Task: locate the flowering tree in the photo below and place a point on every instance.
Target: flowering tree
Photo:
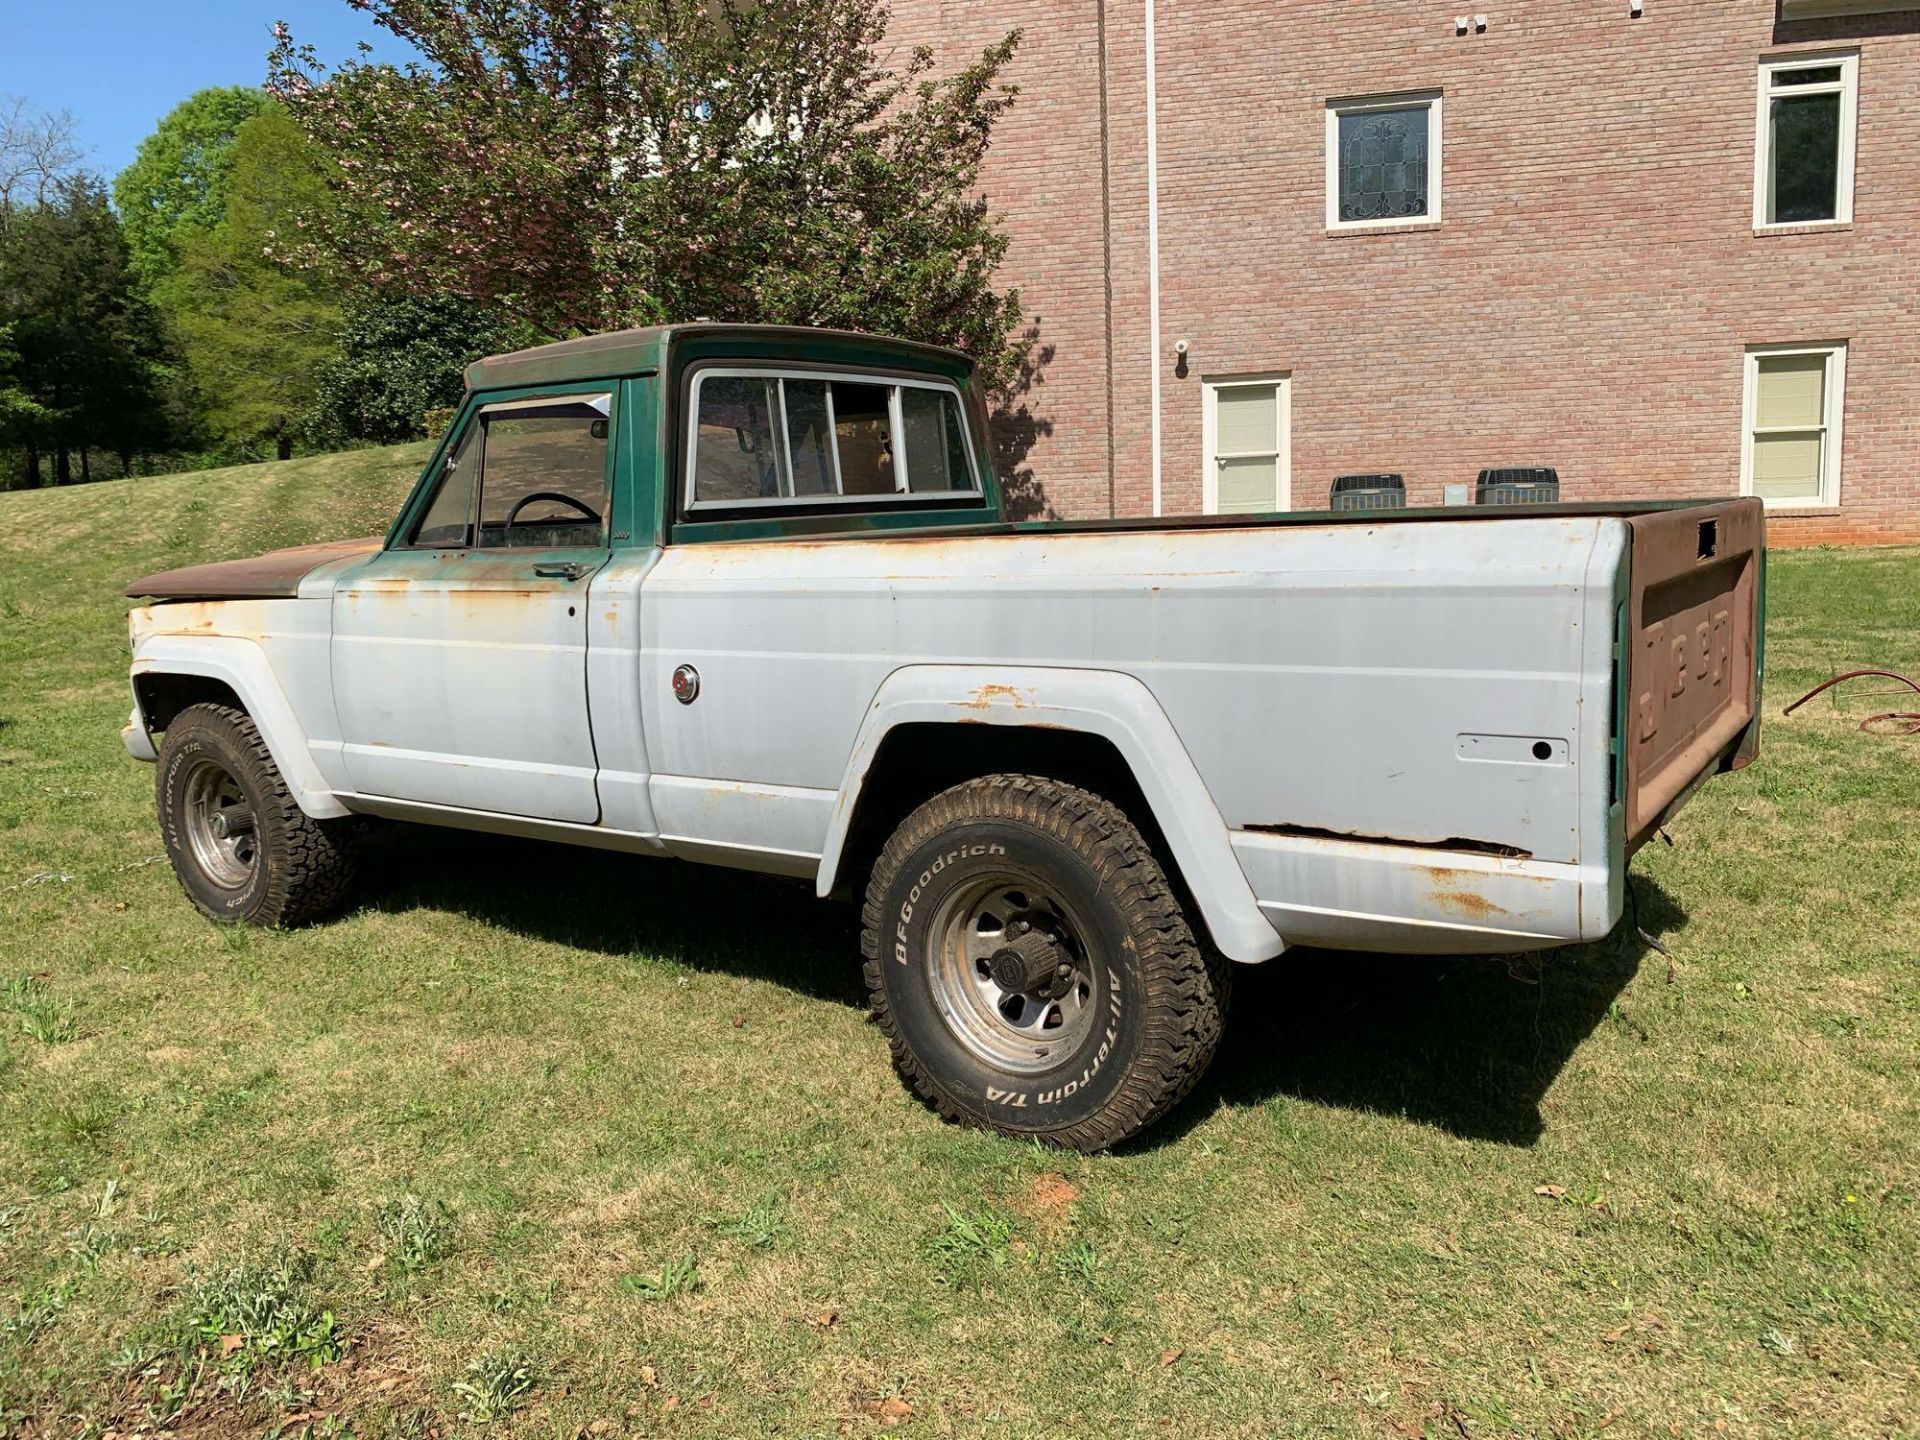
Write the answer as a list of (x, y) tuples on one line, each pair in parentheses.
[(582, 166)]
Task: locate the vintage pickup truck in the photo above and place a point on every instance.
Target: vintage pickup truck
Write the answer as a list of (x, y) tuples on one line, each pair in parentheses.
[(747, 595)]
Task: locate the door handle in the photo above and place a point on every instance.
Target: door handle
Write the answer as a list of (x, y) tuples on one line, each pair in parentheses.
[(563, 570)]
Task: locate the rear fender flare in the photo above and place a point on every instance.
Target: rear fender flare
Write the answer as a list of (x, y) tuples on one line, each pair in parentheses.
[(243, 667), (1116, 707)]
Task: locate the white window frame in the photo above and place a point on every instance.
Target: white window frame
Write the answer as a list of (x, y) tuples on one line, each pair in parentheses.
[(892, 383), (1360, 105), (1832, 440), (1211, 386), (1847, 87)]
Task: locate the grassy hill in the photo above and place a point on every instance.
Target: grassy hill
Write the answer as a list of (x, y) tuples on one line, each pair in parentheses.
[(605, 1146)]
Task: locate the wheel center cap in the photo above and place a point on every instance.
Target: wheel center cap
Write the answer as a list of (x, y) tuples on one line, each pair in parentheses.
[(1026, 962)]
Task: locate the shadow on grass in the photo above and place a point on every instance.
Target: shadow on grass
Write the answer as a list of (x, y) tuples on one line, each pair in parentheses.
[(1468, 1044), (728, 921)]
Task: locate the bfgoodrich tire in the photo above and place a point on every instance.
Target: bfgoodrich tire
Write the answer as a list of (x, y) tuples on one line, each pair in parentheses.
[(1032, 968), (243, 849)]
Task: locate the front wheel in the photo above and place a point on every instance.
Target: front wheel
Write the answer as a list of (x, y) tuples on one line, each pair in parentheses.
[(1032, 968), (240, 844)]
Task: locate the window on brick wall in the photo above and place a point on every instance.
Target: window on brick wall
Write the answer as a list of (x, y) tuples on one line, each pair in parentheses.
[(1803, 162), (1383, 161), (1795, 395)]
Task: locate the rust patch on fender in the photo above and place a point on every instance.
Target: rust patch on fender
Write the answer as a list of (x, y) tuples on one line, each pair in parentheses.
[(1468, 903), (986, 695)]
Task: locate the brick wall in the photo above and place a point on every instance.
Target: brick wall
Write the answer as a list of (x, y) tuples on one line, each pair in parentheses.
[(1587, 301)]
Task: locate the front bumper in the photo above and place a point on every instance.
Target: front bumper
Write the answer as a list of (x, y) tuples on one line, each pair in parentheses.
[(135, 737)]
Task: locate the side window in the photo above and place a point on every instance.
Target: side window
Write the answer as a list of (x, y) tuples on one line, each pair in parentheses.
[(863, 430), (934, 439), (765, 439), (448, 523), (736, 455), (809, 437), (543, 479)]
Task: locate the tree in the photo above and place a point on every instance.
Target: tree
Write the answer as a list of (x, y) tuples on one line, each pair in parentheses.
[(37, 152), (582, 167), (398, 358), (20, 413), (254, 332), (177, 185), (87, 343)]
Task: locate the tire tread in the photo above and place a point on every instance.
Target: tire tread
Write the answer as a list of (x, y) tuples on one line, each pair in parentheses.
[(1187, 982), (312, 874)]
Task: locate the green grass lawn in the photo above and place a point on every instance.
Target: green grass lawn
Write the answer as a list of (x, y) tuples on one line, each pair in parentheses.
[(553, 1141)]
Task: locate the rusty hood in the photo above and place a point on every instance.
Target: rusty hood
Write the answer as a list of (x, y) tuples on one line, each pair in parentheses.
[(275, 575)]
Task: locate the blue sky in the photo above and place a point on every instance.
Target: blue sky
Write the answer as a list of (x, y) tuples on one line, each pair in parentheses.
[(117, 66)]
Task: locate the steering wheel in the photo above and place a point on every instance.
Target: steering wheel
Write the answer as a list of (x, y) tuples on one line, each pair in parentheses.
[(590, 515)]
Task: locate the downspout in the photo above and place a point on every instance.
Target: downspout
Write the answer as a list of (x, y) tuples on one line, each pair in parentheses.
[(1106, 258), (1153, 244)]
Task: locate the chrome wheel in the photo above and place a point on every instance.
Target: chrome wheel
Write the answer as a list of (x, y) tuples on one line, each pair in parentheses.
[(1010, 974), (219, 826)]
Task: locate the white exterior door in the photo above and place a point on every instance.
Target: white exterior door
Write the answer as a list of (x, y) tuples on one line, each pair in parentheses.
[(1248, 423)]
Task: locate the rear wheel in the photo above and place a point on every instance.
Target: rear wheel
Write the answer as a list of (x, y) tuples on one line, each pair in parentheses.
[(1031, 967), (240, 844)]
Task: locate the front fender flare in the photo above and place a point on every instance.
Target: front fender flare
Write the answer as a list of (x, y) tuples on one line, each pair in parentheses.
[(1118, 708), (243, 667)]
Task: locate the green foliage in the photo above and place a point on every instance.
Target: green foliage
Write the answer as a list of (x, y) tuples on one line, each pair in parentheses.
[(19, 411), (971, 1242), (35, 1312), (415, 1233), (262, 1314), (40, 1015), (176, 188), (495, 1384), (82, 362), (676, 1277), (397, 359), (255, 333), (587, 167), (759, 1226)]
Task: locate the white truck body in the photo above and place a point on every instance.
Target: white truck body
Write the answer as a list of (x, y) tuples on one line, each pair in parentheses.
[(1399, 735)]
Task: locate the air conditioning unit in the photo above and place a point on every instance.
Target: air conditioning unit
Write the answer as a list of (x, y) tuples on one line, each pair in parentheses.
[(1369, 492), (1518, 485)]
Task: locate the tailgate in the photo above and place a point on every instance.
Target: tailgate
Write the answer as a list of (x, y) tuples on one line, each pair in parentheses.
[(1693, 608)]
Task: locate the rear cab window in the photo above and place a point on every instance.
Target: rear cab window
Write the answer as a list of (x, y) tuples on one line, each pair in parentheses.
[(766, 437)]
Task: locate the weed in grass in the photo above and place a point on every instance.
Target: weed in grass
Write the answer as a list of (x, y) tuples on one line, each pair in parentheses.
[(170, 1396), (36, 1312), (518, 1297), (971, 1242), (759, 1226), (40, 1015), (103, 1208), (495, 1384), (87, 1244), (415, 1233), (676, 1277), (87, 1120), (263, 1314), (1080, 1262)]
